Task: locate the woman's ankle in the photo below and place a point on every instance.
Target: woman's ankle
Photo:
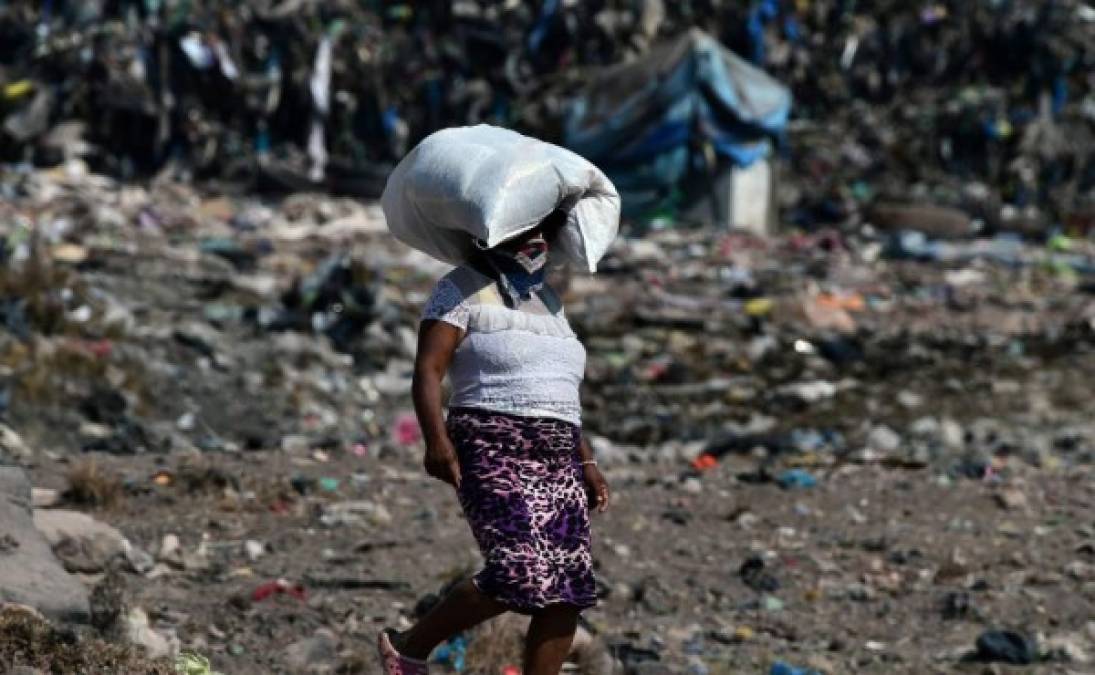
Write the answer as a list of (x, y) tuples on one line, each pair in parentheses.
[(405, 644)]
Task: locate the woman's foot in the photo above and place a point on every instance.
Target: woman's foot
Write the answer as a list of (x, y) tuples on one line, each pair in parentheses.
[(395, 663)]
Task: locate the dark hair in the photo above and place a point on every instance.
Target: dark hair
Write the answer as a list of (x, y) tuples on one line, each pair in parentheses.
[(553, 224)]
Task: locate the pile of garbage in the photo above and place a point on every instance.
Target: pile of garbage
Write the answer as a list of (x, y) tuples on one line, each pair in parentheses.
[(233, 285), (984, 106)]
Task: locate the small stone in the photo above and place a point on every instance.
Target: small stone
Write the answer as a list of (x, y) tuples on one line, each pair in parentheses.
[(254, 549), (956, 605), (1011, 499), (655, 597), (918, 456), (925, 427), (623, 591), (883, 439), (860, 592), (45, 497), (952, 434), (96, 432), (1038, 578), (316, 654), (198, 561), (171, 551), (692, 486), (909, 399), (996, 646), (354, 513), (772, 604), (139, 560), (1080, 570), (139, 632), (747, 520), (12, 445), (810, 392), (821, 664), (1067, 648), (295, 444), (754, 575)]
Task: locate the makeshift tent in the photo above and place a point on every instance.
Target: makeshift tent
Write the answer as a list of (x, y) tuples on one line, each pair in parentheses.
[(652, 123)]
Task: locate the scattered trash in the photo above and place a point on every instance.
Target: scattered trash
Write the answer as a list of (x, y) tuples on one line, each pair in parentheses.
[(186, 301), (188, 663), (139, 632), (406, 431), (753, 573), (796, 478), (771, 603), (452, 653), (997, 646), (781, 668), (254, 549), (278, 587)]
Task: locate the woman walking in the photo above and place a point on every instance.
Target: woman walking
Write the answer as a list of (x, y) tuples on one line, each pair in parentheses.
[(511, 447)]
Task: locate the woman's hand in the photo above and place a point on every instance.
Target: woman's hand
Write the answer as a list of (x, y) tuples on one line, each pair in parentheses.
[(441, 462), (596, 487)]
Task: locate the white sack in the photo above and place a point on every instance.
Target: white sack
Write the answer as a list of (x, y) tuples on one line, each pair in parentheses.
[(493, 184)]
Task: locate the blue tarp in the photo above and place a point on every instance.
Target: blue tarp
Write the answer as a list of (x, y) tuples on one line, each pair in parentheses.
[(648, 123)]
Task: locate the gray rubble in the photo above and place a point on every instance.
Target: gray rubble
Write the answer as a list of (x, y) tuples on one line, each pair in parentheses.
[(29, 572)]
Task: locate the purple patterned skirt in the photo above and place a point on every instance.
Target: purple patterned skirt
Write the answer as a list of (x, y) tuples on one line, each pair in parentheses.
[(523, 495)]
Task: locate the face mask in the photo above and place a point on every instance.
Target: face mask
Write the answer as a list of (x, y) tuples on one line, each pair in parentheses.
[(521, 272), (531, 257)]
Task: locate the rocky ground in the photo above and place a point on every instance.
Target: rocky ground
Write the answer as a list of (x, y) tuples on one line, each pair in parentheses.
[(823, 453)]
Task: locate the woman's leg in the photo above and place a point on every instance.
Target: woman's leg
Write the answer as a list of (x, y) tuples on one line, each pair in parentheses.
[(464, 607), (549, 638)]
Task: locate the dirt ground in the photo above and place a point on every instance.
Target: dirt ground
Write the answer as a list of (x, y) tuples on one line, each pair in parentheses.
[(866, 562)]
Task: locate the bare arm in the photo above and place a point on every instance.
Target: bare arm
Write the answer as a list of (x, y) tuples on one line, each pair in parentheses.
[(585, 452), (595, 483), (437, 341)]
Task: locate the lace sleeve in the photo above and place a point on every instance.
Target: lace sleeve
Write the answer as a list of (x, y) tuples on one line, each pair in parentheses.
[(447, 304)]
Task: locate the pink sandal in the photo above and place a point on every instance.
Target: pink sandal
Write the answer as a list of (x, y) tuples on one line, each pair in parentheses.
[(394, 662)]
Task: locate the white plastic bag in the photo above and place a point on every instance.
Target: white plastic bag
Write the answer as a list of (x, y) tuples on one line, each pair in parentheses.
[(492, 184)]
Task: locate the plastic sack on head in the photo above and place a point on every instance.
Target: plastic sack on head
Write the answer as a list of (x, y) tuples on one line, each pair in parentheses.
[(493, 184)]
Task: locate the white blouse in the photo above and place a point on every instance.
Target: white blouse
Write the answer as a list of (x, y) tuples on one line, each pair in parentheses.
[(525, 361)]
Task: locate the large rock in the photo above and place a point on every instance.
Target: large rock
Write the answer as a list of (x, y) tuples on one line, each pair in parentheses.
[(29, 572), (82, 543)]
